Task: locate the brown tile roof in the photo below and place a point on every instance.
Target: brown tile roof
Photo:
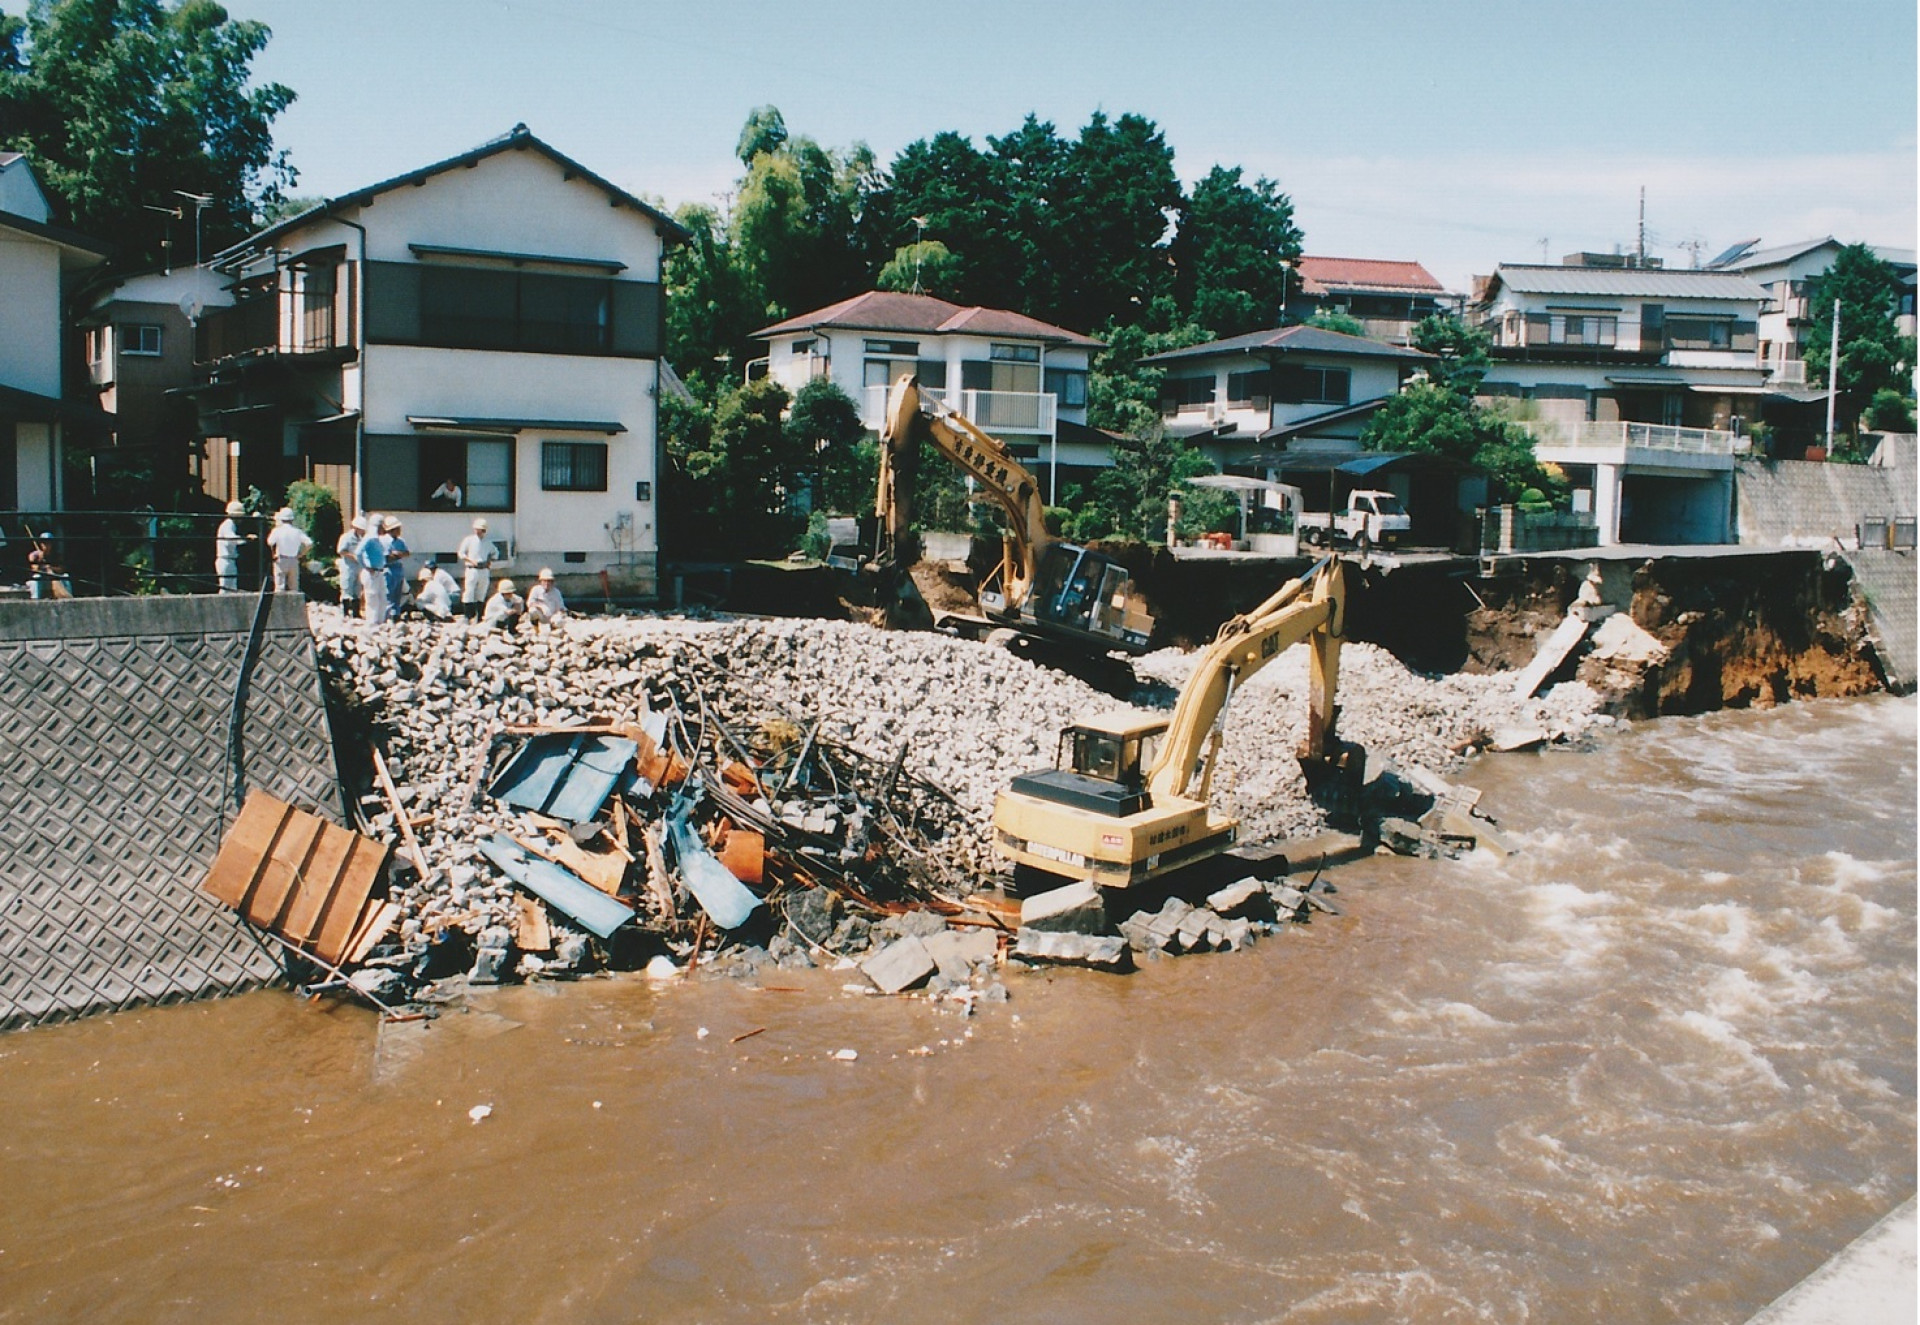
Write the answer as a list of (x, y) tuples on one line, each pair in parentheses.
[(1366, 274), (886, 310)]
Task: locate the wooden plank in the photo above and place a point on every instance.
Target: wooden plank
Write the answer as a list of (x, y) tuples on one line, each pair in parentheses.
[(604, 870), (244, 849), (400, 817), (531, 930), (267, 900), (350, 895), (375, 920), (320, 878)]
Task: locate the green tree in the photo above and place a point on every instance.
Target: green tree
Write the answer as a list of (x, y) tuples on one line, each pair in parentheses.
[(824, 426), (764, 131), (1890, 411), (712, 306), (746, 470), (1231, 252), (1430, 418), (1132, 494), (1123, 395), (1117, 195), (797, 229), (119, 103), (1462, 350), (1873, 354), (1332, 319), (927, 266)]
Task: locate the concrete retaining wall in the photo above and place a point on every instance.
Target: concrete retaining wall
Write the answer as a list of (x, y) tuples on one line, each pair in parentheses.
[(1798, 503), (115, 788)]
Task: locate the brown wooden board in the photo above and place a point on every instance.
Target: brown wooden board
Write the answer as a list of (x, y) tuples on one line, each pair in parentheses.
[(300, 877)]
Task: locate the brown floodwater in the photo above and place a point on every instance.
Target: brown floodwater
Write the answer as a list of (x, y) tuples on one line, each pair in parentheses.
[(1655, 1067)]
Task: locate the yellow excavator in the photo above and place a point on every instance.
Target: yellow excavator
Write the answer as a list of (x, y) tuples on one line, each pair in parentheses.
[(1047, 597), (1128, 800)]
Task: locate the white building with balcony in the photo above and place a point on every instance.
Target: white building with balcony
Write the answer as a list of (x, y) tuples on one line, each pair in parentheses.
[(1646, 482), (40, 264), (490, 324), (1603, 344), (1023, 380), (1788, 273)]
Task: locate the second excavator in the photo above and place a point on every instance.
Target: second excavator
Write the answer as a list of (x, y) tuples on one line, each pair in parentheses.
[(1054, 600)]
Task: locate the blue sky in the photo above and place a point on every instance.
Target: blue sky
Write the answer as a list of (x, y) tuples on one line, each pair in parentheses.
[(1460, 135)]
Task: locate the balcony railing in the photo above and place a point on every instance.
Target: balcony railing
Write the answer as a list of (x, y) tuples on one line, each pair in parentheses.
[(991, 411), (1648, 436), (1787, 372), (253, 326)]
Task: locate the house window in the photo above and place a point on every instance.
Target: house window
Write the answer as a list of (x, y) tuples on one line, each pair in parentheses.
[(573, 466), (1015, 353), (1014, 368), (894, 349), (1068, 386), (1246, 388), (140, 338), (1699, 333), (1184, 393), (1582, 329), (1299, 384), (98, 339), (404, 472), (802, 347)]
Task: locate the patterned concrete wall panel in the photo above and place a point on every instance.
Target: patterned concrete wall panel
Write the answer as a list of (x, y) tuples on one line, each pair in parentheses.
[(1796, 503), (115, 788)]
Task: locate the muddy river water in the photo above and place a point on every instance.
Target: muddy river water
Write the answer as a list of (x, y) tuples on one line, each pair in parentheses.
[(1655, 1067)]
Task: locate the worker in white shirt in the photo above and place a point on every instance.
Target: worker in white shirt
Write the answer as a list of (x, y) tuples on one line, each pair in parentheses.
[(544, 601), (227, 542), (504, 609), (348, 549), (434, 597), (289, 543), (476, 557)]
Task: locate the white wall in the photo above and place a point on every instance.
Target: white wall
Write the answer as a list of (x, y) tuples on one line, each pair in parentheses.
[(408, 380), (30, 315), (38, 466)]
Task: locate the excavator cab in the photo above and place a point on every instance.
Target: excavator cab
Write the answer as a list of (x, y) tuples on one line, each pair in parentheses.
[(1100, 765), (1083, 591)]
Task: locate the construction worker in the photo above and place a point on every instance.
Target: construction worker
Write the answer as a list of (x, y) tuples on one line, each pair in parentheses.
[(504, 609), (373, 572), (434, 597), (227, 542), (544, 601), (348, 549), (476, 558), (289, 543)]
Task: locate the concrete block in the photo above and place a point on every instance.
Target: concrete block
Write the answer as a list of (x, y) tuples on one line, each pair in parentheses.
[(1140, 933), (1287, 901), (1103, 951), (1192, 934), (1074, 909), (957, 951), (1237, 933), (898, 966), (1248, 897)]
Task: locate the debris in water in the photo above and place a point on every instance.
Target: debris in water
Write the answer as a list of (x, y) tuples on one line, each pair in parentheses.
[(479, 1113)]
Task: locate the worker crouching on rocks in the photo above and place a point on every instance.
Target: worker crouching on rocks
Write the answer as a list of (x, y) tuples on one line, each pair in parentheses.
[(544, 601), (504, 610), (434, 598)]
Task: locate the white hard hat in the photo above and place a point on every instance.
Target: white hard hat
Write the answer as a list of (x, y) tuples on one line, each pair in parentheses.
[(546, 573), (426, 572), (391, 522), (480, 525), (235, 508), (360, 522), (506, 586), (373, 522), (284, 515)]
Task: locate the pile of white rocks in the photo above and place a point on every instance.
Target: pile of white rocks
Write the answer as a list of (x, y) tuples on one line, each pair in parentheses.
[(969, 717)]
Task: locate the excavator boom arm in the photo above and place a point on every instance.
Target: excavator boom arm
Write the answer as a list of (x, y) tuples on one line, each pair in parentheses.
[(981, 457), (1242, 647)]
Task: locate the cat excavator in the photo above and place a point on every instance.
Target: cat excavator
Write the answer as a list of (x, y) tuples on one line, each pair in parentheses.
[(1128, 801), (1055, 601)]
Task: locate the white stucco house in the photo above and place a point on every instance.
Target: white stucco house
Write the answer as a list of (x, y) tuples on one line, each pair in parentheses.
[(40, 263), (490, 323), (1021, 379), (1788, 273), (1640, 382)]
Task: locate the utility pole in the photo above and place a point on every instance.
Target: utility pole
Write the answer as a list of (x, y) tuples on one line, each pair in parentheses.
[(200, 201), (1833, 371)]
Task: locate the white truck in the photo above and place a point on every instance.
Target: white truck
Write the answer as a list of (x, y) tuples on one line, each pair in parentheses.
[(1372, 519)]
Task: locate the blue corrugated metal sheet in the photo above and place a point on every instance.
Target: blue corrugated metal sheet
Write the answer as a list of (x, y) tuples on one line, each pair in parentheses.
[(560, 888), (568, 777), (722, 896)]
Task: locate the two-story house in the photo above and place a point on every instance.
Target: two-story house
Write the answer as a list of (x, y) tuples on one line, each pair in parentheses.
[(479, 337), (1388, 297), (1640, 382), (137, 339), (1021, 379), (40, 263), (1788, 273)]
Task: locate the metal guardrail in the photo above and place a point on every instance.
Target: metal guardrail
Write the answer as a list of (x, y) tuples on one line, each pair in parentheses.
[(1648, 436), (106, 554)]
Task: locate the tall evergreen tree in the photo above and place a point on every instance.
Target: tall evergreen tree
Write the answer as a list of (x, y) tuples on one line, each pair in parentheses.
[(1230, 253), (1873, 354), (121, 103)]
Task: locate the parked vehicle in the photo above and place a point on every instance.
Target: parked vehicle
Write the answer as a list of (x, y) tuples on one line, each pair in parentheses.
[(1372, 519)]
